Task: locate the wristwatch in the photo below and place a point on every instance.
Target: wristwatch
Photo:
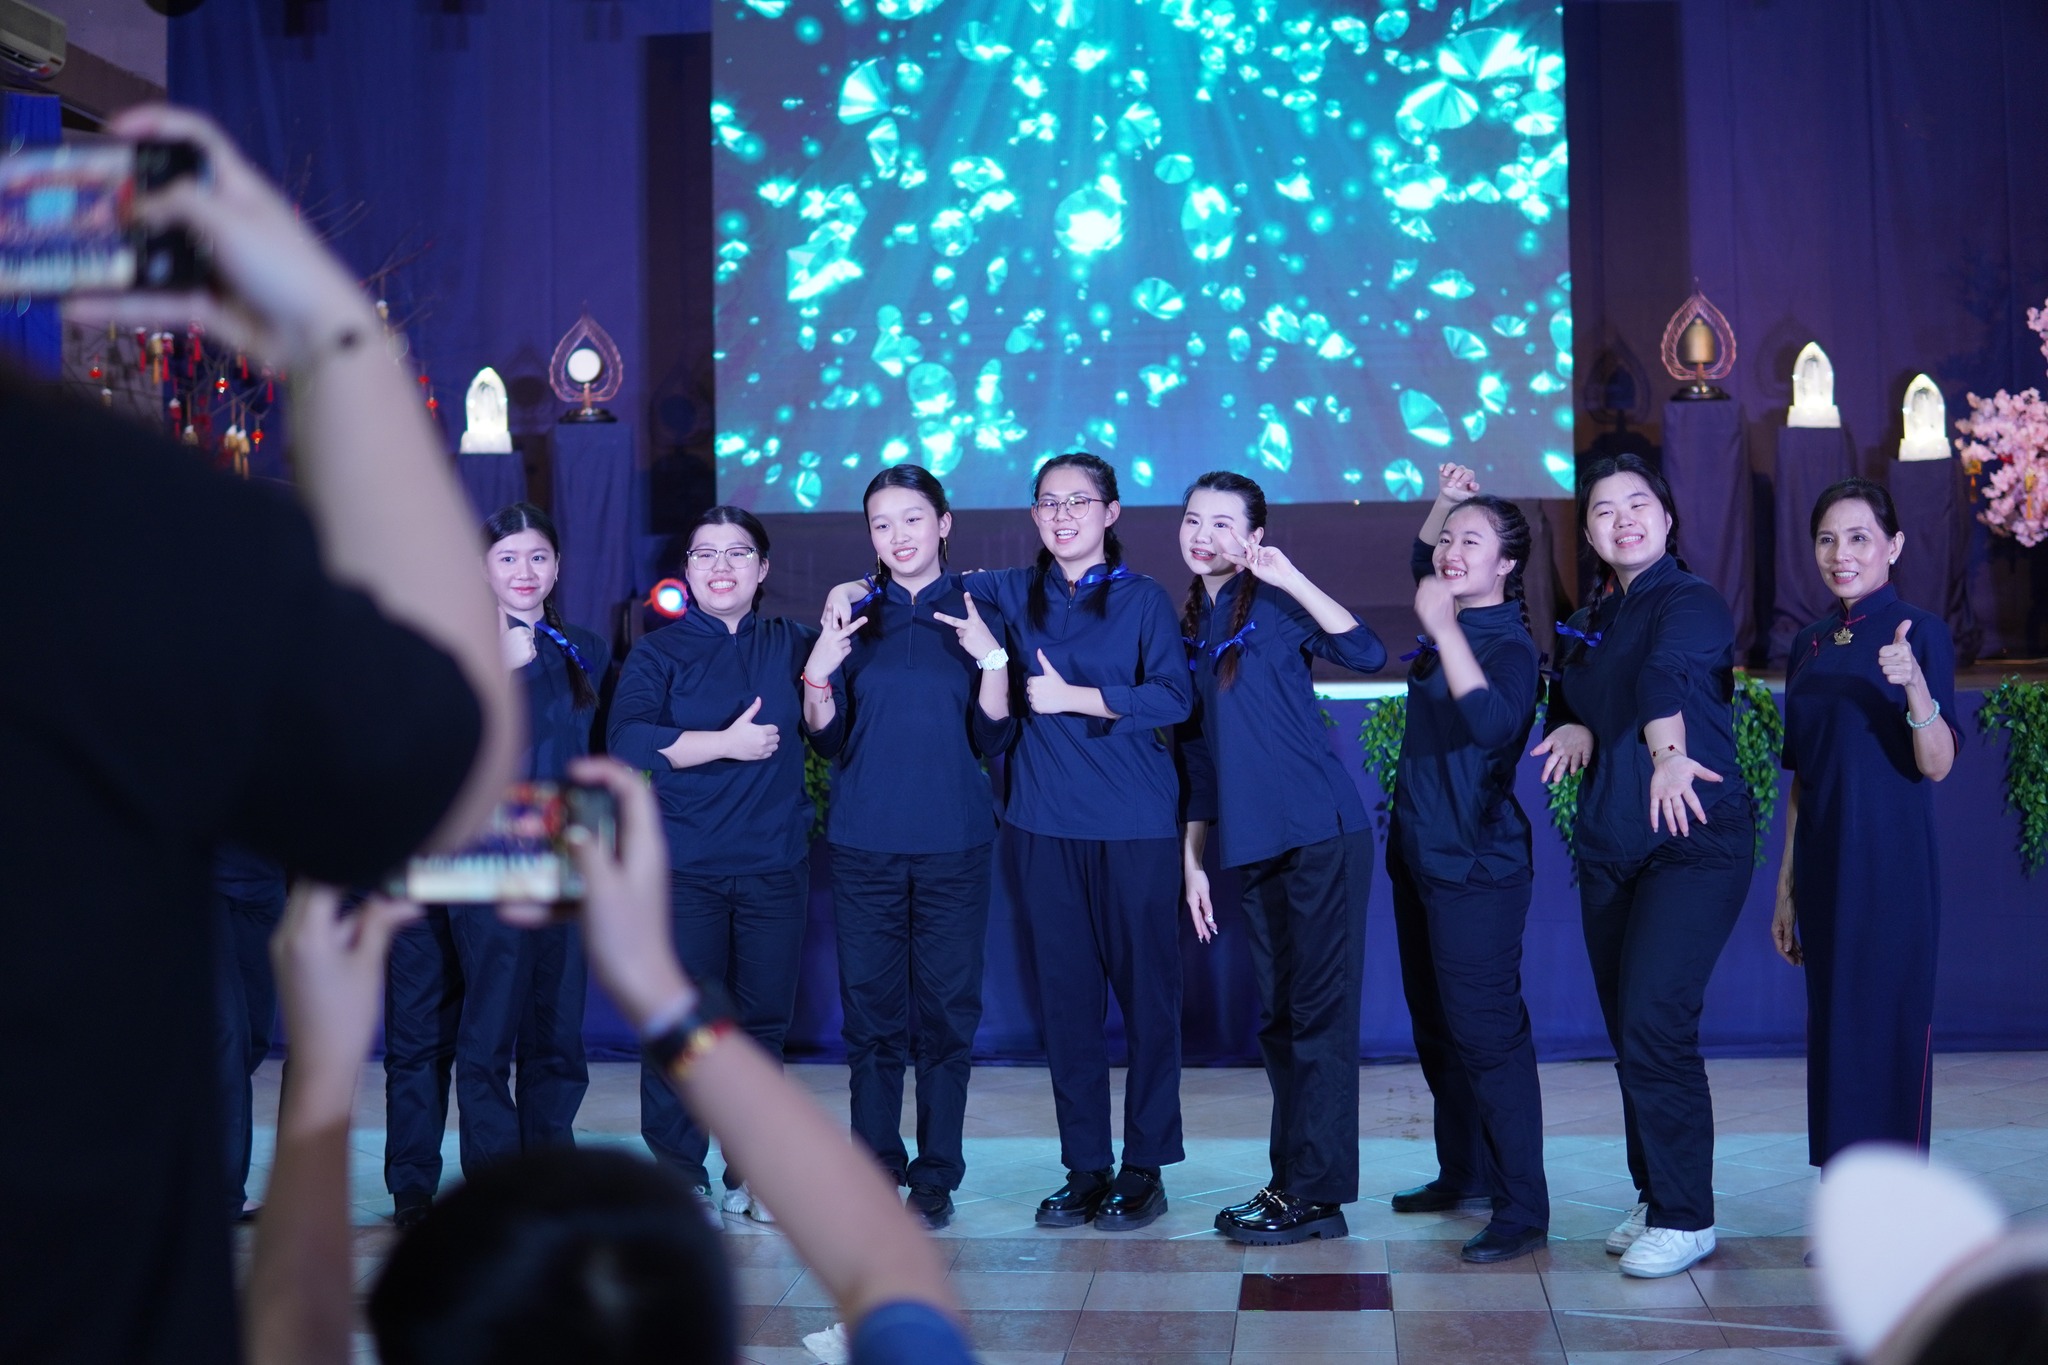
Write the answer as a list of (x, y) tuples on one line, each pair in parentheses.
[(993, 660), (675, 1048)]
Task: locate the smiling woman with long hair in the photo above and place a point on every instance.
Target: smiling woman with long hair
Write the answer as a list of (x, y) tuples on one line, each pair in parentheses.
[(919, 698), (1259, 765)]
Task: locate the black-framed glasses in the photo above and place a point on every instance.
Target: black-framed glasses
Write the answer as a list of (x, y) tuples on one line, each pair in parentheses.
[(1075, 504), (731, 554)]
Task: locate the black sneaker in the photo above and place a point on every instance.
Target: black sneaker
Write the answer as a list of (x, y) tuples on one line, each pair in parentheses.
[(1284, 1220), (931, 1204), (1075, 1202), (1136, 1200)]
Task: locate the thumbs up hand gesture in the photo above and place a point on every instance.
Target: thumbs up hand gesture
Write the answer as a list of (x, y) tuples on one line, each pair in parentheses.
[(1048, 692), (750, 742), (1896, 659)]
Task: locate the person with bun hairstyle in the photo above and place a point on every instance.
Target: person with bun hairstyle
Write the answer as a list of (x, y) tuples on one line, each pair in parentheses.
[(919, 700), (1259, 765), (712, 706), (1091, 848), (464, 989), (1643, 703), (1458, 856), (1859, 889)]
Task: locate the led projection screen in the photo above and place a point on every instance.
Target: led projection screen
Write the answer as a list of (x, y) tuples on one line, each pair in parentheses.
[(1321, 244)]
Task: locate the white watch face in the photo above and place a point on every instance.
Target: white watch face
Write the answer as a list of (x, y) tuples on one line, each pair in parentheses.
[(994, 659)]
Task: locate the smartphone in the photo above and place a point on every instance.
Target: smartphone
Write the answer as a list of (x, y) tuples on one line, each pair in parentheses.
[(67, 226), (521, 856)]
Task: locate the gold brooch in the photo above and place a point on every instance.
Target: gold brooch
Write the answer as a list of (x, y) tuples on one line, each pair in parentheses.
[(1843, 637)]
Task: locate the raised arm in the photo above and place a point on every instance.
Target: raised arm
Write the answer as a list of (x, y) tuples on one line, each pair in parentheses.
[(370, 467), (1454, 484), (1934, 746)]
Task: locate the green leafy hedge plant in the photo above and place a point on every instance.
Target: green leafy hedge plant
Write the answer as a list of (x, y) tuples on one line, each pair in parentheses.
[(2021, 710)]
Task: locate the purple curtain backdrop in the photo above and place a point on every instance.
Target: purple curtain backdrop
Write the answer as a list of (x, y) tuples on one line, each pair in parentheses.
[(1706, 461), (31, 336), (1809, 459)]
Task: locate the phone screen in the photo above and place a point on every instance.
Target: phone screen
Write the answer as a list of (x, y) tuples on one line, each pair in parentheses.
[(521, 856), (65, 219)]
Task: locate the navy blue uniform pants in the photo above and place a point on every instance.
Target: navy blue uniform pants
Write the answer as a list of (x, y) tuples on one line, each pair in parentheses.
[(1105, 915), (746, 933), (1305, 911), (422, 1008), (1461, 970), (468, 992), (911, 930), (1654, 930), (247, 1009)]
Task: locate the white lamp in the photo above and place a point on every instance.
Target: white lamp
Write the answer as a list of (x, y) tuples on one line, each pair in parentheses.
[(1926, 417), (1813, 390), (486, 431)]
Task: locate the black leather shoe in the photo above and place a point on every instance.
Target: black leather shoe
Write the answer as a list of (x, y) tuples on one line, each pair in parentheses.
[(407, 1210), (1136, 1200), (1283, 1220), (1434, 1198), (931, 1204), (1075, 1202), (1250, 1208), (1498, 1243)]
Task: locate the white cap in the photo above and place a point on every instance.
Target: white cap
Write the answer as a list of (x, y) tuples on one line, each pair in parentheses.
[(1899, 1243)]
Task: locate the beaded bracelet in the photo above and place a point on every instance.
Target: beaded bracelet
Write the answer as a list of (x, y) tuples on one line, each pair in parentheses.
[(1923, 724)]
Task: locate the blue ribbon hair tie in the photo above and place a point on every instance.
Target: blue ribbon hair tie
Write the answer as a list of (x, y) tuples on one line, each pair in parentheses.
[(562, 641), (1592, 641), (874, 588), (1194, 648), (1423, 645), (1237, 640)]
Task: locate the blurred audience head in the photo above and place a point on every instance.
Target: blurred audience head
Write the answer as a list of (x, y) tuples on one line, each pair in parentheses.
[(583, 1255), (1917, 1266)]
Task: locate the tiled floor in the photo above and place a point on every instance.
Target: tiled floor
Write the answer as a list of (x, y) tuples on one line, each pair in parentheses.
[(1171, 1294)]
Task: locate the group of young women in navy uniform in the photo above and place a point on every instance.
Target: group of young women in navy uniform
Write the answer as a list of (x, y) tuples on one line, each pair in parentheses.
[(1126, 729)]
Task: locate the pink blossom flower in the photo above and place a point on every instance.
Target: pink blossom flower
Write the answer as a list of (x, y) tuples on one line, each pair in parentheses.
[(2007, 451)]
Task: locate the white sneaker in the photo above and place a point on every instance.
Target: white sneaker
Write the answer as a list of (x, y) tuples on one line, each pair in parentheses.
[(1666, 1251), (1624, 1236), (830, 1345), (742, 1200)]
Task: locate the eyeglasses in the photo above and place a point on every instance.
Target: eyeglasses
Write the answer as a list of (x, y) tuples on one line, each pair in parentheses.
[(731, 554), (1075, 504)]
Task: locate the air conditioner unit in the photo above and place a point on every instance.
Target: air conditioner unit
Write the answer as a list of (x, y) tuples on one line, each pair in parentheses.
[(31, 39)]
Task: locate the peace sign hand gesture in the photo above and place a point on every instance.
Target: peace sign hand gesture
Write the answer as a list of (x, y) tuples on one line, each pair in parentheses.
[(975, 636), (834, 644)]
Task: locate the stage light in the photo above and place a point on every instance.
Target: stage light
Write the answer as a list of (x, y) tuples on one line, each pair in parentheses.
[(670, 597)]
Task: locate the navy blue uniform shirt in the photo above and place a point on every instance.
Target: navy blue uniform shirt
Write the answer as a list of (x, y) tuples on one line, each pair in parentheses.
[(1257, 753), (1667, 646), (1454, 798), (1082, 777), (909, 735), (555, 730), (728, 817)]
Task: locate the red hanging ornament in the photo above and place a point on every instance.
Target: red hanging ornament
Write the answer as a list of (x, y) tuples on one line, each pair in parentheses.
[(243, 361), (220, 385), (256, 437), (94, 373), (433, 404)]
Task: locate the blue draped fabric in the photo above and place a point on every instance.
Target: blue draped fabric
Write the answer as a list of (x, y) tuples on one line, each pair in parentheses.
[(30, 333)]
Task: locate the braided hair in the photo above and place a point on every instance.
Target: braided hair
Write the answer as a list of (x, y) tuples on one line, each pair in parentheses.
[(922, 482), (524, 516), (1254, 498), (1103, 476)]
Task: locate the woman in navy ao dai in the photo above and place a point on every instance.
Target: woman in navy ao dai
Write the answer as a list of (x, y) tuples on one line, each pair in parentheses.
[(1259, 764), (1458, 857), (1859, 890)]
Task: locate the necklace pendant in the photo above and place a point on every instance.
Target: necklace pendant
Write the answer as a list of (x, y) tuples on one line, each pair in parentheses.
[(1844, 636)]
